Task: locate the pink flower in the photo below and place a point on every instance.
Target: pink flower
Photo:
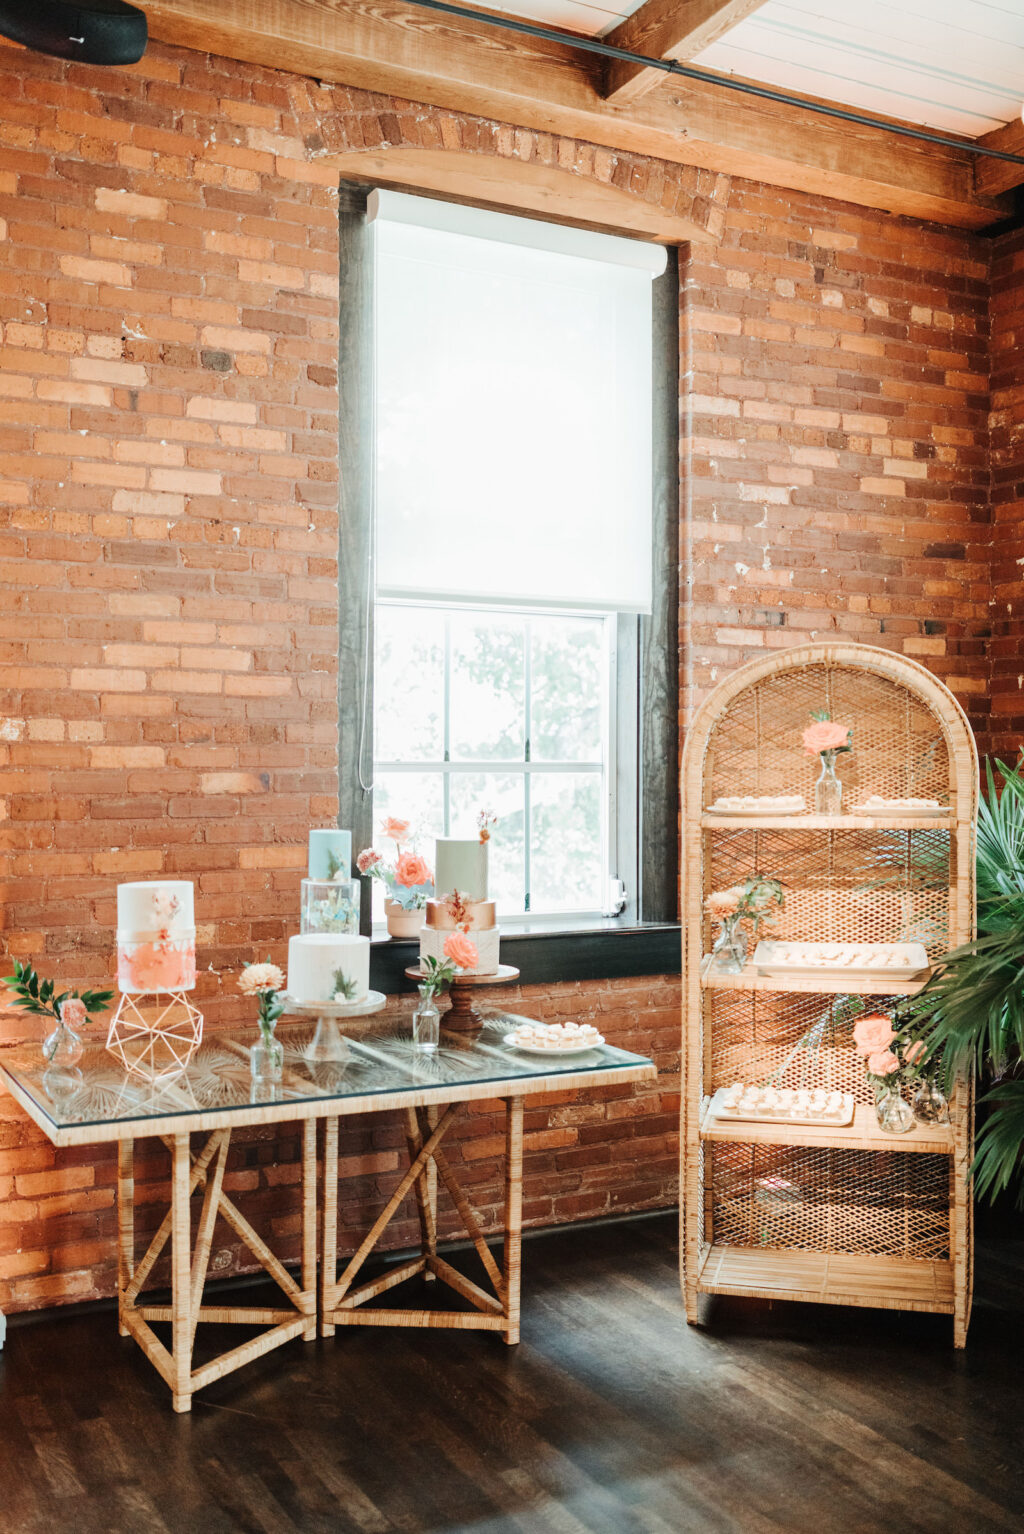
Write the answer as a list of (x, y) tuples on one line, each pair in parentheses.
[(72, 1012), (395, 830), (368, 859), (913, 1052), (883, 1063), (412, 869), (825, 735), (873, 1033), (461, 951), (722, 904)]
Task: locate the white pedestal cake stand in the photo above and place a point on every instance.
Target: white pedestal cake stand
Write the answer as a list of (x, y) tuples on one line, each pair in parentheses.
[(327, 1042)]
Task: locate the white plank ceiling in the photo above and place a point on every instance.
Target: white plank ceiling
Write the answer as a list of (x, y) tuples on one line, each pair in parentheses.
[(953, 65)]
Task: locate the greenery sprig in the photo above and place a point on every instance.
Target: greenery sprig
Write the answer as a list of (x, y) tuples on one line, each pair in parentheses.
[(437, 974), (41, 996)]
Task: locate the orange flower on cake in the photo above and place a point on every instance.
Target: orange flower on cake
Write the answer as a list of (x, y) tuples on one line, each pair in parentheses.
[(825, 735), (461, 950), (873, 1034), (411, 869), (395, 830)]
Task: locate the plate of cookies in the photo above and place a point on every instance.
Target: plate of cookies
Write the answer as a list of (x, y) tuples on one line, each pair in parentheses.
[(555, 1038)]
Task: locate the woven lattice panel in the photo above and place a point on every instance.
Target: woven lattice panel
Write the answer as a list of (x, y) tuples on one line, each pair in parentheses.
[(846, 886), (755, 1033), (883, 1204), (898, 747)]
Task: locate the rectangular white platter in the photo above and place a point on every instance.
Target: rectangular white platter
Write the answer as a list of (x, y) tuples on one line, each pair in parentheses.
[(738, 1116), (893, 961)]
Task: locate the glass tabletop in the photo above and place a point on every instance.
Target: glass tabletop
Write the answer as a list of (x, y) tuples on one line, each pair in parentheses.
[(377, 1063)]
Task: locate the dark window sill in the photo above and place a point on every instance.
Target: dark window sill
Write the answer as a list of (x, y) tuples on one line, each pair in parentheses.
[(601, 951)]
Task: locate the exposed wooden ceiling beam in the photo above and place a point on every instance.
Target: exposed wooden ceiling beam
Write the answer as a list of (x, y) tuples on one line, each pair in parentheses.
[(991, 177), (660, 28), (445, 61)]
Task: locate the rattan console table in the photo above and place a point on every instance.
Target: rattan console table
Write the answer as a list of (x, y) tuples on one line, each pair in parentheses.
[(380, 1071), (837, 1215)]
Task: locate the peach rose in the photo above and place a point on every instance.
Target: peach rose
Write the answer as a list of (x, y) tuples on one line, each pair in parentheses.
[(914, 1052), (873, 1033), (463, 953), (395, 830), (825, 735), (722, 904), (883, 1063), (72, 1012), (412, 869)]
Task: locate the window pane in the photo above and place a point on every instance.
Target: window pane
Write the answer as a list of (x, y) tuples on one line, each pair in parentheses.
[(567, 689), (408, 684), (566, 862), (504, 794), (417, 797), (488, 688)]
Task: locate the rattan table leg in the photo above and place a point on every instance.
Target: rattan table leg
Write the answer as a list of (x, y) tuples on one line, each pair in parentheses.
[(329, 1239), (309, 1232), (181, 1274), (512, 1255), (125, 1226)]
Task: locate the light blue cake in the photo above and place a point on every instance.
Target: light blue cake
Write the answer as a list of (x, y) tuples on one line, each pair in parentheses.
[(330, 852)]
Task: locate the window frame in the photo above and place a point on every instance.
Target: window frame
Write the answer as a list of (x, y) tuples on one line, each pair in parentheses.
[(647, 735)]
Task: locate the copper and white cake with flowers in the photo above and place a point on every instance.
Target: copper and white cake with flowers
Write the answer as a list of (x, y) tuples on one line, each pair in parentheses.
[(462, 921)]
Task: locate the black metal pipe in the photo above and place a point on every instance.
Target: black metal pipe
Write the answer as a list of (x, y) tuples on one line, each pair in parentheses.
[(690, 72)]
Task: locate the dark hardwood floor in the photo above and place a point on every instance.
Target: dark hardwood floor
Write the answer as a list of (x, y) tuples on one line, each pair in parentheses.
[(611, 1417)]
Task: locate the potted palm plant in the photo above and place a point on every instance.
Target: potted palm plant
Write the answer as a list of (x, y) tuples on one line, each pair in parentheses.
[(972, 1011)]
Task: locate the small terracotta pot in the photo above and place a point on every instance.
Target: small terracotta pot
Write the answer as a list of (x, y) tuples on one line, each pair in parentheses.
[(402, 923)]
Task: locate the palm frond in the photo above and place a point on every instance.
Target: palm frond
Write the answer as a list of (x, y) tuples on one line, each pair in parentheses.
[(999, 1160)]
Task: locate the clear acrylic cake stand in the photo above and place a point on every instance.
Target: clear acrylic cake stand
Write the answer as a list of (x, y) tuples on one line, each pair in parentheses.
[(328, 1043)]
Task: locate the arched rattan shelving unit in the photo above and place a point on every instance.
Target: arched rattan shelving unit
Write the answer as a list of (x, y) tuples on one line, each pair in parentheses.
[(842, 1216)]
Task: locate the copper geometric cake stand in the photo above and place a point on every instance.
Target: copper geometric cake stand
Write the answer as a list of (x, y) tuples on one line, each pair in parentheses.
[(158, 1042), (462, 1016)]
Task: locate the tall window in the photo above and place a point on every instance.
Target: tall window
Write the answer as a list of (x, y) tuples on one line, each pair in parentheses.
[(513, 428)]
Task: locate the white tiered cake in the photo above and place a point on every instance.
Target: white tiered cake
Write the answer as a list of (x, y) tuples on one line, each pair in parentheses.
[(462, 905), (156, 937), (328, 966)]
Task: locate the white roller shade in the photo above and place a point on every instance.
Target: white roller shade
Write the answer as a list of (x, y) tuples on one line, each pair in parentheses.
[(513, 400)]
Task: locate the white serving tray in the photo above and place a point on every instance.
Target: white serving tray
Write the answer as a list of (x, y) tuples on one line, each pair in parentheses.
[(565, 1049), (898, 811), (743, 1116), (754, 814), (866, 961)]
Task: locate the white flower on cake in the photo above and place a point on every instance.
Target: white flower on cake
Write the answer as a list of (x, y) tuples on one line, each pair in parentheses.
[(260, 977), (165, 904), (344, 988)]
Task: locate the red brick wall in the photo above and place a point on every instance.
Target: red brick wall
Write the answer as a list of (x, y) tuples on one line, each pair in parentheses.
[(1007, 428), (168, 457)]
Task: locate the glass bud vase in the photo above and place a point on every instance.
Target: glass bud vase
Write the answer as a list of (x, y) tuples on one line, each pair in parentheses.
[(63, 1046), (426, 1021), (266, 1057), (828, 791), (929, 1103), (894, 1116), (729, 954)]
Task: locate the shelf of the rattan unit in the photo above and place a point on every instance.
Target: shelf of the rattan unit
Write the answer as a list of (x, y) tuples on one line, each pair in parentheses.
[(862, 1134), (828, 1278), (827, 822), (822, 985)]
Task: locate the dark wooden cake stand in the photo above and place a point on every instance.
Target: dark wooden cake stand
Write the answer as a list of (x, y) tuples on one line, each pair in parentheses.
[(462, 1016)]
